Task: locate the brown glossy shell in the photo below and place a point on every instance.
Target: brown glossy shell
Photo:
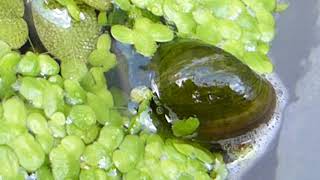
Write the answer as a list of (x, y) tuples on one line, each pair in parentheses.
[(199, 80)]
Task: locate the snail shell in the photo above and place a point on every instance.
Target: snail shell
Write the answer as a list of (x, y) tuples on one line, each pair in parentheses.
[(199, 80)]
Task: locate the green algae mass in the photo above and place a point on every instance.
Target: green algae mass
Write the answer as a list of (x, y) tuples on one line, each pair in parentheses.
[(195, 79)]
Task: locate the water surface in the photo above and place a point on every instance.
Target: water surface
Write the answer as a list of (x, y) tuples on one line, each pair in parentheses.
[(296, 53)]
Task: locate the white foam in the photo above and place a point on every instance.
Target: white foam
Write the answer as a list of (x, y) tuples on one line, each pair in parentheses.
[(259, 139)]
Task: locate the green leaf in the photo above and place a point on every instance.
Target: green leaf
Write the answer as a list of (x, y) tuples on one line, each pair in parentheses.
[(37, 124), (12, 8), (282, 7), (9, 132), (141, 93), (96, 174), (13, 29), (142, 25), (4, 48), (57, 125), (209, 33), (6, 81), (73, 69), (53, 100), (229, 29), (9, 62), (122, 161), (267, 32), (82, 116), (234, 47), (64, 165), (193, 152), (246, 21), (161, 33), (99, 4), (122, 34), (57, 79), (48, 66), (94, 81), (263, 47), (137, 175), (123, 4), (156, 7), (9, 163), (96, 156), (203, 16), (185, 127), (110, 137), (29, 152), (170, 169), (32, 90), (270, 5), (100, 107), (29, 65), (184, 21), (103, 18), (46, 141), (141, 3), (258, 62), (228, 9), (103, 58), (219, 171), (104, 42), (14, 111), (74, 94), (264, 17), (130, 152), (73, 145), (88, 136), (44, 173), (145, 44)]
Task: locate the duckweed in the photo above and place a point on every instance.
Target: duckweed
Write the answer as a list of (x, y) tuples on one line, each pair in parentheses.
[(216, 22), (58, 118)]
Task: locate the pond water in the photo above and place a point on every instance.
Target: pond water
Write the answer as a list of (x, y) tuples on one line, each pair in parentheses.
[(296, 53)]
